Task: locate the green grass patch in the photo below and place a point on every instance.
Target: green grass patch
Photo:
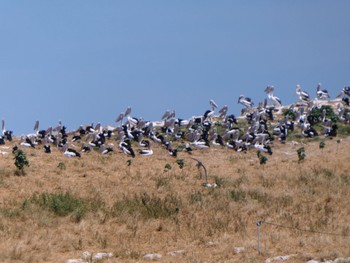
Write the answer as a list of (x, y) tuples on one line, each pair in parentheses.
[(146, 206), (61, 204)]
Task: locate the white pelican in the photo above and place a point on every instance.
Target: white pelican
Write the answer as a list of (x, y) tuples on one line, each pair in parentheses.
[(303, 95), (213, 105), (223, 112), (275, 100), (245, 101), (322, 94), (69, 152)]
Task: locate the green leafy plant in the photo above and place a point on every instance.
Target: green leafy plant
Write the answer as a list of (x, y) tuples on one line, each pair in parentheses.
[(181, 163), (61, 204), (289, 113), (21, 160), (315, 115), (167, 167), (301, 154), (322, 144), (262, 159)]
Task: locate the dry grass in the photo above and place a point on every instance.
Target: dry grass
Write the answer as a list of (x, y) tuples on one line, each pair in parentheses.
[(139, 209)]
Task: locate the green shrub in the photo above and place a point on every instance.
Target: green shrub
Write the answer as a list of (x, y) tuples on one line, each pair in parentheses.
[(315, 115), (61, 204), (20, 160), (289, 113), (180, 163), (262, 159)]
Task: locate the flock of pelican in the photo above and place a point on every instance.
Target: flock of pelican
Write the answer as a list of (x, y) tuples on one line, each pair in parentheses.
[(215, 128)]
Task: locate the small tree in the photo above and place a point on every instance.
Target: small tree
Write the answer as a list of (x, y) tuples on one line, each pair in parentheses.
[(262, 159), (20, 161)]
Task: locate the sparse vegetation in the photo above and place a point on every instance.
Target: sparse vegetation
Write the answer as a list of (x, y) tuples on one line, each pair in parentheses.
[(61, 204), (145, 207), (47, 215)]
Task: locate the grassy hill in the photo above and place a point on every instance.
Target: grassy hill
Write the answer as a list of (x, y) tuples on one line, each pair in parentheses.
[(64, 206), (130, 207)]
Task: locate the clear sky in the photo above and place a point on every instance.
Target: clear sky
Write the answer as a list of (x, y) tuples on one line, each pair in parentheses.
[(84, 61)]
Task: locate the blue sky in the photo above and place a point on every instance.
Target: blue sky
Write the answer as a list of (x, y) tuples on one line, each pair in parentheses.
[(86, 61)]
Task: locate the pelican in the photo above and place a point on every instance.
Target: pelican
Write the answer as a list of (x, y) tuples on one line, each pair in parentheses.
[(263, 148), (187, 148), (345, 92), (5, 133), (105, 150), (85, 147), (128, 111), (146, 152), (322, 94), (69, 152), (245, 101), (303, 95), (275, 100), (28, 142), (223, 111), (213, 105), (120, 118), (125, 146)]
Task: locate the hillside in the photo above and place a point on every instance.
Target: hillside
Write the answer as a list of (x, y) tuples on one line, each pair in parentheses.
[(130, 207)]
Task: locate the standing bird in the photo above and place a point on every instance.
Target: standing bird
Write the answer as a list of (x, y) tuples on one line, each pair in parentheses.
[(276, 102), (345, 92), (213, 105), (345, 95), (322, 94), (105, 150), (125, 146), (6, 134), (127, 112), (120, 118), (303, 95), (245, 101), (223, 111)]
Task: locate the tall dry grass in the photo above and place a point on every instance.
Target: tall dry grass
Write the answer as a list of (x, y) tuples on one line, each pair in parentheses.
[(145, 208)]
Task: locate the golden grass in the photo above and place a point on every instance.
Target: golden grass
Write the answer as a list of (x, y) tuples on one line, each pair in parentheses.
[(208, 223)]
